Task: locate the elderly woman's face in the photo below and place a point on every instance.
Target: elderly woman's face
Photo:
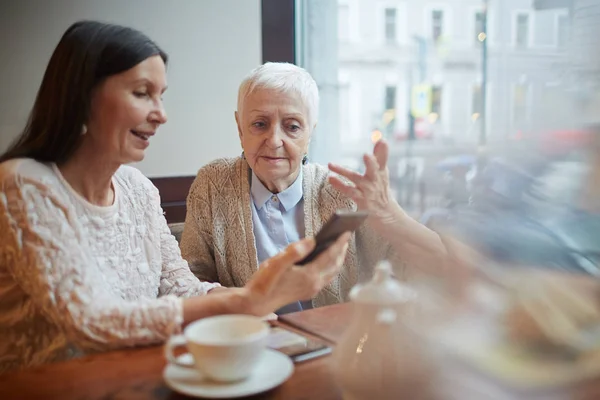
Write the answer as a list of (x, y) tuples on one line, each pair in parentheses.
[(275, 133), (127, 110)]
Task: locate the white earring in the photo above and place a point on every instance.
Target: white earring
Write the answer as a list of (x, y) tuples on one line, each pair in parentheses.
[(83, 129)]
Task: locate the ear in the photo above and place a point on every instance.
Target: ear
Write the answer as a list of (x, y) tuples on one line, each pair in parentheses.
[(238, 123)]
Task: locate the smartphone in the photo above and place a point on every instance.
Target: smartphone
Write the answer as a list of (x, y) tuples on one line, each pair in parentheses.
[(298, 347), (340, 222)]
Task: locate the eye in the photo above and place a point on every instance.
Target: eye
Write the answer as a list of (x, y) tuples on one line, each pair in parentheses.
[(259, 124), (294, 128), (140, 95)]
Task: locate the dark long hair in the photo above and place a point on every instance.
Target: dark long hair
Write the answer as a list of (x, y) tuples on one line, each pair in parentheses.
[(88, 53)]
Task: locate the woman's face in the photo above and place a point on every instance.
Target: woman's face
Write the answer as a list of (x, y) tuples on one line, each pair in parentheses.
[(126, 110), (275, 133)]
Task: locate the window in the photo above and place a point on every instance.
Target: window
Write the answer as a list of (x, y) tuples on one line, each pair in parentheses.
[(522, 30), (390, 25), (343, 22), (562, 31), (476, 102), (436, 104), (391, 56), (437, 24), (479, 26), (390, 98), (389, 114), (519, 105)]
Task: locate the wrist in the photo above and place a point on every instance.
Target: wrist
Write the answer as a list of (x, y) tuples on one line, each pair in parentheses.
[(254, 302), (217, 289), (240, 302), (390, 218)]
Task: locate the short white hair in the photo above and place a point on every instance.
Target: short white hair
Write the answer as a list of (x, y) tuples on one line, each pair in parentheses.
[(284, 78)]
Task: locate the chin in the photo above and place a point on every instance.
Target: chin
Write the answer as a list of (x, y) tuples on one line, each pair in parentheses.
[(134, 157), (276, 176)]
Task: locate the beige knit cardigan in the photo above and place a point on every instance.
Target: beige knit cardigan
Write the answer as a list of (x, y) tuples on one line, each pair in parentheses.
[(218, 240)]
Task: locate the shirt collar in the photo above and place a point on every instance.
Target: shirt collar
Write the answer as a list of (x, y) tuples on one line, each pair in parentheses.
[(289, 198)]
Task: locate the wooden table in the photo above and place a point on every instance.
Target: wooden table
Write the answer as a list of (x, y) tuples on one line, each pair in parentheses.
[(137, 373)]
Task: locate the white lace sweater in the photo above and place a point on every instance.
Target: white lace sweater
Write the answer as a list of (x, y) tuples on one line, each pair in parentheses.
[(77, 278)]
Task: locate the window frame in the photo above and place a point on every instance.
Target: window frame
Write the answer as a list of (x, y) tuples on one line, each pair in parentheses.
[(346, 39), (474, 41), (401, 22), (528, 102), (447, 31), (488, 107), (530, 29), (557, 17), (386, 21)]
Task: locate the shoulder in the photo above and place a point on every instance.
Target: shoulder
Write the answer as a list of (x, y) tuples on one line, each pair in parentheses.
[(316, 178), (32, 186), (22, 170), (221, 167), (133, 176), (318, 173), (220, 172), (132, 180)]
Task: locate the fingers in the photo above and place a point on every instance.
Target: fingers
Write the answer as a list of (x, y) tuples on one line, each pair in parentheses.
[(381, 153), (325, 267), (377, 161), (294, 252), (372, 167), (327, 277), (274, 269), (353, 176), (344, 188), (270, 317), (331, 260)]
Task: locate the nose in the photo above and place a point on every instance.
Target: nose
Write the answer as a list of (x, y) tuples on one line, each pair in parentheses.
[(159, 115), (274, 139)]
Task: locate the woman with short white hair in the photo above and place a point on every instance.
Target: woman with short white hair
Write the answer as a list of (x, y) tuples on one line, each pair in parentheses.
[(243, 210)]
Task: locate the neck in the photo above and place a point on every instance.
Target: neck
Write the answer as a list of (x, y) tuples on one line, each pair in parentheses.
[(90, 175), (279, 185)]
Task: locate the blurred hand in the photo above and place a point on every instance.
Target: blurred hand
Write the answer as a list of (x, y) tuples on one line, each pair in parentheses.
[(270, 317), (371, 191), (279, 281), (217, 289)]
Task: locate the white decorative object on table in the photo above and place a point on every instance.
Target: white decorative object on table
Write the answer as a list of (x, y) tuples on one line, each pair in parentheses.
[(379, 357)]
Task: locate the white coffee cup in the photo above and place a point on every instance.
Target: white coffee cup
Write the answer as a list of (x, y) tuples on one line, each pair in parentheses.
[(225, 348)]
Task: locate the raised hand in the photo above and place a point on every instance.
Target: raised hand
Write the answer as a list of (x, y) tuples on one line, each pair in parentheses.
[(371, 190)]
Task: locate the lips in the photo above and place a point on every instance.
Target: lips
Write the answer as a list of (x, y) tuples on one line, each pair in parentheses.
[(273, 158), (142, 135)]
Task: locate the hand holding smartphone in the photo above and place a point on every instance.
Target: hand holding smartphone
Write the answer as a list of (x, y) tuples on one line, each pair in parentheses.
[(340, 222)]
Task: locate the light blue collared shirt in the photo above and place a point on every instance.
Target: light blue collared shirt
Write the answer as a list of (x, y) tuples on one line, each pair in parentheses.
[(278, 220)]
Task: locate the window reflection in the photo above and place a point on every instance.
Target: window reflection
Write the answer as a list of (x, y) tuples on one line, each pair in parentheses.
[(439, 79)]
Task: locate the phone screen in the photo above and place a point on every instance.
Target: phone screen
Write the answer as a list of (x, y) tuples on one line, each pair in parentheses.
[(298, 347)]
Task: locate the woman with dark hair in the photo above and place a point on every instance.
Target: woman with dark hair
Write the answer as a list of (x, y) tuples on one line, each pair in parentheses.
[(87, 261)]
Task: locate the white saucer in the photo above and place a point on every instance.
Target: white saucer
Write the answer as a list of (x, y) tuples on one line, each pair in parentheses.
[(273, 369)]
